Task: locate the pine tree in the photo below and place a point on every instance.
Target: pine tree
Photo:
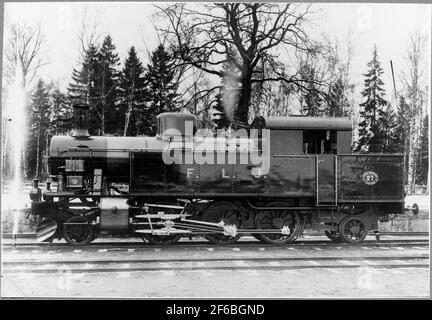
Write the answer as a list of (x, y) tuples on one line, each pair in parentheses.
[(338, 102), (161, 92), (61, 113), (106, 110), (392, 140), (132, 94), (39, 126), (373, 109), (422, 155), (82, 89)]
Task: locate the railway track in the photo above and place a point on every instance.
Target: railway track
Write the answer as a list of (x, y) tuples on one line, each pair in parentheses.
[(199, 243), (403, 233), (195, 256), (308, 239), (307, 234), (212, 264)]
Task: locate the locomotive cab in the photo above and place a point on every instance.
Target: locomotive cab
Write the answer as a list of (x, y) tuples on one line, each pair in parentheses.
[(306, 135)]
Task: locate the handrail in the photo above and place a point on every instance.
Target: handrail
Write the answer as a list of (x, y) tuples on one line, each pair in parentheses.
[(336, 179)]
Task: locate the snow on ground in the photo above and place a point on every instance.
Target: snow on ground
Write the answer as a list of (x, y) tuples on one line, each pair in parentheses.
[(422, 200)]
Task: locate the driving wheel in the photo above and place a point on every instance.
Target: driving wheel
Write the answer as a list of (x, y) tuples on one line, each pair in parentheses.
[(286, 220), (229, 214)]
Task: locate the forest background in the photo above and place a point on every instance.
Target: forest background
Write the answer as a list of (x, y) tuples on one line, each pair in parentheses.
[(226, 63)]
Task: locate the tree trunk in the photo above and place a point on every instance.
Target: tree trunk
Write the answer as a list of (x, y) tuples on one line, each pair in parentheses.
[(103, 121), (129, 111), (37, 153), (242, 111), (128, 114)]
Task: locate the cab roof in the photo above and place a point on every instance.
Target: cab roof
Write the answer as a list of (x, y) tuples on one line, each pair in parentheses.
[(302, 123)]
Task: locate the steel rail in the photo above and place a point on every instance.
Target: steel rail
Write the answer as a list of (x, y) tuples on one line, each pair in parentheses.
[(317, 233), (201, 243), (233, 268), (215, 268)]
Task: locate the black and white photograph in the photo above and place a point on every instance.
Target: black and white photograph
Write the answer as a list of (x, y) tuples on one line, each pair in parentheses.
[(215, 150)]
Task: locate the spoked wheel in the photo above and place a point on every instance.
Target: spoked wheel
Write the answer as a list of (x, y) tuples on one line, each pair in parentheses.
[(333, 236), (290, 221), (157, 239), (228, 213), (298, 234), (353, 230), (78, 231)]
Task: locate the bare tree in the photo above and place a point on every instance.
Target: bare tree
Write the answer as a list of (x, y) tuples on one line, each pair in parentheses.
[(23, 45), (26, 44), (88, 34), (339, 99), (415, 87), (273, 99), (243, 34)]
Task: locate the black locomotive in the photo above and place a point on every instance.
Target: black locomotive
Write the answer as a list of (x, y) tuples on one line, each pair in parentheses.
[(161, 189)]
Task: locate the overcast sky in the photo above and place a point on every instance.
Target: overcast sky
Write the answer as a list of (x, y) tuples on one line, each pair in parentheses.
[(387, 25)]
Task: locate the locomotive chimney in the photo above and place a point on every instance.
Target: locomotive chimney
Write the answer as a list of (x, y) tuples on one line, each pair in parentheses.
[(81, 120)]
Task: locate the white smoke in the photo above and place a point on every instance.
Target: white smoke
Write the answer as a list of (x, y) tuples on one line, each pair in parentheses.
[(230, 92), (16, 111)]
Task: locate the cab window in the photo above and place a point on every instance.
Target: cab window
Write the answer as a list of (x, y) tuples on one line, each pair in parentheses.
[(319, 142)]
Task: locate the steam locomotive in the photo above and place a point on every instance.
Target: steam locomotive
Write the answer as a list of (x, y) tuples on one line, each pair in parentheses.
[(278, 177)]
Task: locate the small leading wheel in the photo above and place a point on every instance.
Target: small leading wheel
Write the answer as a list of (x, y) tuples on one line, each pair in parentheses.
[(279, 219), (229, 214), (78, 231), (353, 230), (333, 236), (157, 239)]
